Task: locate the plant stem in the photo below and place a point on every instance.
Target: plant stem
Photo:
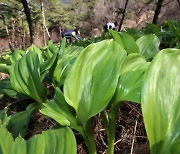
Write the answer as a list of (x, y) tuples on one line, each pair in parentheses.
[(91, 143), (112, 128), (105, 120), (88, 136)]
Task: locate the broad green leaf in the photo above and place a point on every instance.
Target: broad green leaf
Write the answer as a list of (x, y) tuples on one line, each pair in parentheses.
[(75, 50), (5, 88), (54, 141), (50, 56), (4, 68), (117, 37), (4, 119), (161, 102), (6, 140), (45, 66), (17, 54), (49, 51), (36, 50), (129, 43), (5, 58), (53, 48), (25, 77), (59, 110), (63, 46), (130, 80), (93, 78), (19, 122), (126, 41), (148, 46), (65, 62)]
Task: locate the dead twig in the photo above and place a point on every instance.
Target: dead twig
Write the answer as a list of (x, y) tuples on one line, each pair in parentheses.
[(132, 146)]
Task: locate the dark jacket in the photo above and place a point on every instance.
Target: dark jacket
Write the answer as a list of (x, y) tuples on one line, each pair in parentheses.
[(67, 33)]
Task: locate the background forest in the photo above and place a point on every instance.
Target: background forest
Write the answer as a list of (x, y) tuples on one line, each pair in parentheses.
[(36, 21)]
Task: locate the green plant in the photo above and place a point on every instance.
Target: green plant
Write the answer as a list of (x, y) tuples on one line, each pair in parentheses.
[(62, 141), (160, 102), (92, 80), (147, 45), (128, 89), (88, 74), (17, 123)]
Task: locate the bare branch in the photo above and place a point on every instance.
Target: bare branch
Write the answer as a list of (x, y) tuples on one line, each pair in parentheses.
[(123, 15)]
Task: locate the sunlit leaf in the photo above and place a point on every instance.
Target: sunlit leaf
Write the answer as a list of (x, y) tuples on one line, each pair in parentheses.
[(4, 68), (36, 50), (93, 78), (148, 46), (59, 110), (63, 46), (129, 43), (161, 102), (54, 141), (65, 62), (130, 81), (117, 37), (126, 41), (46, 65), (25, 77), (17, 54)]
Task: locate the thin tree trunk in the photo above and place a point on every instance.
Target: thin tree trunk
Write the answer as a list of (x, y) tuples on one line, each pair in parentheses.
[(44, 35), (13, 33), (7, 32), (157, 11), (24, 38), (44, 22), (22, 32), (21, 35), (60, 31), (29, 20), (123, 15)]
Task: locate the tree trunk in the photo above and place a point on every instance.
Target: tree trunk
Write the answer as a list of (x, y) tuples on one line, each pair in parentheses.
[(29, 20), (22, 35), (123, 15), (13, 33), (44, 22), (60, 31), (7, 31), (44, 35), (157, 11)]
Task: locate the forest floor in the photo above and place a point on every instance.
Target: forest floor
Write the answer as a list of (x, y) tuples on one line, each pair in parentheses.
[(130, 131)]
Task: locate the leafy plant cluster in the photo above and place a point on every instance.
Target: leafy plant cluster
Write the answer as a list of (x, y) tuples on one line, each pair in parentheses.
[(168, 33), (88, 81)]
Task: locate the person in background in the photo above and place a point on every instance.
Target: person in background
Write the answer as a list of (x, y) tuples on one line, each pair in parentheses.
[(110, 25), (70, 34)]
